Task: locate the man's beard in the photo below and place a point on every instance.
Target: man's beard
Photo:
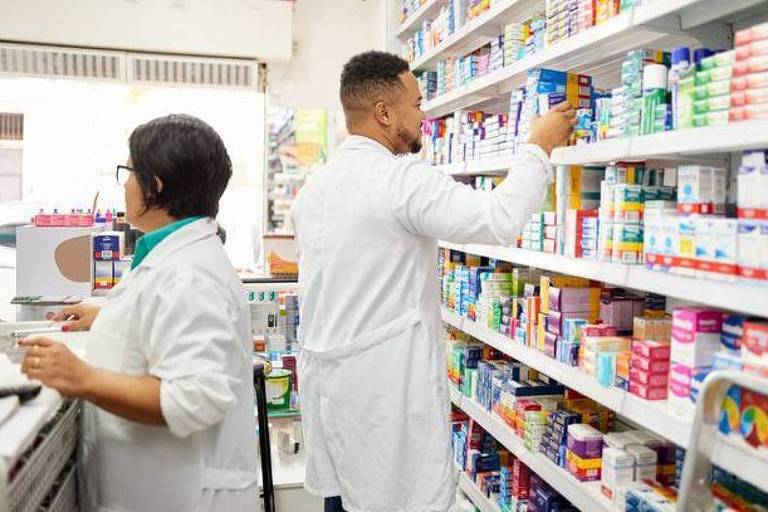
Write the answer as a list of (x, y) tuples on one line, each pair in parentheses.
[(413, 143)]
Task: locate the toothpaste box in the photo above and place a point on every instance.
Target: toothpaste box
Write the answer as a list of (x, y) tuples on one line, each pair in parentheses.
[(695, 335)]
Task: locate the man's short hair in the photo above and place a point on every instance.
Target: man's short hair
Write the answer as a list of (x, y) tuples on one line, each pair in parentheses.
[(367, 76)]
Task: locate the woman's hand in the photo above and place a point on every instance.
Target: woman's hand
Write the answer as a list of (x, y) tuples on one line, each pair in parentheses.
[(83, 316), (53, 364)]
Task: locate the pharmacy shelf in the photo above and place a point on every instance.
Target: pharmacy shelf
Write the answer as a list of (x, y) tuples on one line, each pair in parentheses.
[(653, 415), (668, 145), (585, 496), (412, 23), (591, 51), (730, 453), (734, 296), (736, 456), (494, 166), (480, 500), (477, 32)]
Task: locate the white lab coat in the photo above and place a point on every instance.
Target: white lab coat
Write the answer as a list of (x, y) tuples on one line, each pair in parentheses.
[(181, 316), (372, 375)]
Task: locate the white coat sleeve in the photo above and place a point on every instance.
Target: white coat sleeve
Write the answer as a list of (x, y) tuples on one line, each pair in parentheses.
[(433, 204), (189, 331)]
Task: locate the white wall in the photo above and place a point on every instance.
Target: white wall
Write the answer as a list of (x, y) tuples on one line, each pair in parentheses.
[(326, 34), (226, 28), (75, 132)]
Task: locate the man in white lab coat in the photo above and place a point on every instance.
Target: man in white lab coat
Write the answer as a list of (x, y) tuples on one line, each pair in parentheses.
[(372, 368)]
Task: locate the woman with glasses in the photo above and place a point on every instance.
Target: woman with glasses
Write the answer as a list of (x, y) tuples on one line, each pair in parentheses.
[(167, 381)]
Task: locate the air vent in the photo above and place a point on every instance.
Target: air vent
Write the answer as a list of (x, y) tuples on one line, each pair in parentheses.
[(45, 61), (11, 126), (192, 72)]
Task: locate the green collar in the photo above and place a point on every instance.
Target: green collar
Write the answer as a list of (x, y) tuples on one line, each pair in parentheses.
[(149, 241)]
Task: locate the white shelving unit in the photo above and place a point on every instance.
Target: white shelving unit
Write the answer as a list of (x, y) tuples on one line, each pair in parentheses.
[(476, 32), (734, 296), (491, 166), (479, 499), (586, 496), (735, 136), (598, 52), (595, 50), (734, 455), (411, 23)]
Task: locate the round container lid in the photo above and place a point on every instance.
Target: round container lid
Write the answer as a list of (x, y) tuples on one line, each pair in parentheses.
[(278, 373), (654, 76)]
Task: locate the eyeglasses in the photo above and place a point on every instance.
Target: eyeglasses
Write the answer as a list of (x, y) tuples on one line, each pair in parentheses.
[(122, 174)]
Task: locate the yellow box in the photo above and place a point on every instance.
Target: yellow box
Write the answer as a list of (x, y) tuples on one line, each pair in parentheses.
[(584, 464)]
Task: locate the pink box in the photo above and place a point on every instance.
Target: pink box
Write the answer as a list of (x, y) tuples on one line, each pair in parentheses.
[(652, 350), (597, 330), (649, 393), (695, 336), (738, 98), (654, 380), (649, 366), (738, 114)]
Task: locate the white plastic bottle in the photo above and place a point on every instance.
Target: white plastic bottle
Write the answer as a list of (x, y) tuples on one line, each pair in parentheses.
[(681, 66)]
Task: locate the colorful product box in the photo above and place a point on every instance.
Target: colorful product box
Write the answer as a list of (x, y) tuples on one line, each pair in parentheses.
[(568, 300), (649, 366), (652, 350), (754, 347), (695, 335)]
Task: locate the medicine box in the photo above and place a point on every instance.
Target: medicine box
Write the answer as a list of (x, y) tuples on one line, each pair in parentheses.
[(645, 462), (754, 347), (649, 366), (647, 379), (695, 335), (585, 441), (652, 350)]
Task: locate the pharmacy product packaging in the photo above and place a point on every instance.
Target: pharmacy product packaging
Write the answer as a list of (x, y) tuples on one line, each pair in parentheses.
[(695, 336), (645, 462), (754, 347), (585, 441), (652, 350)]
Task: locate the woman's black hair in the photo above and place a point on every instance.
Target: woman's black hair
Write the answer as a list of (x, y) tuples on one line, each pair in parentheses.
[(188, 157)]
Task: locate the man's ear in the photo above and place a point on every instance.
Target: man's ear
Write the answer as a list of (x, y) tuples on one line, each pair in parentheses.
[(382, 113)]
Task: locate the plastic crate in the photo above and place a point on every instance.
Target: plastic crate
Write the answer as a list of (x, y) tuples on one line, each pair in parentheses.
[(63, 497), (42, 464)]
